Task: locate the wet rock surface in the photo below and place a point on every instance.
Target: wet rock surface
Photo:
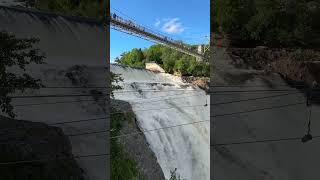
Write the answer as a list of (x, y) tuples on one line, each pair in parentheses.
[(35, 151), (302, 68)]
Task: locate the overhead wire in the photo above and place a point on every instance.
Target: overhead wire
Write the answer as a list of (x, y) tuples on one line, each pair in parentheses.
[(256, 90), (2, 131), (134, 101), (169, 127), (219, 115), (252, 99), (259, 109), (119, 92), (91, 94), (52, 159), (101, 118), (157, 129), (249, 86), (259, 141), (122, 112)]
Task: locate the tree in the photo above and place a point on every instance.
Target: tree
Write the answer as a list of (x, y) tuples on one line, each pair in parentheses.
[(169, 59), (269, 22), (134, 58), (182, 65), (86, 8), (154, 53), (16, 53)]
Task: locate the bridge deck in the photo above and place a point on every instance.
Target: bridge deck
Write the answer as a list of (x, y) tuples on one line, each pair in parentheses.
[(129, 26)]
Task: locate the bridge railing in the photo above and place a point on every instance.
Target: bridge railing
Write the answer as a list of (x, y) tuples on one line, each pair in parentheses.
[(141, 28), (129, 25)]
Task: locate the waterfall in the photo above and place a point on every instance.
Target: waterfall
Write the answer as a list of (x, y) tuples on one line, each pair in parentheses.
[(75, 51), (259, 125), (162, 100)]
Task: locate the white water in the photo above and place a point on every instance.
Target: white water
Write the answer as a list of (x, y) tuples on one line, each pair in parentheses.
[(277, 160), (161, 100), (66, 42)]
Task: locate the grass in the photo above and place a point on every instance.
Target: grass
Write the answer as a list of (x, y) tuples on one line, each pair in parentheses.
[(122, 166)]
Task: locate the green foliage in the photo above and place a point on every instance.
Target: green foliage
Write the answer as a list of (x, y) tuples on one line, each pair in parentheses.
[(16, 53), (154, 53), (134, 58), (115, 79), (170, 60), (269, 22), (122, 166), (182, 65), (86, 8), (174, 175)]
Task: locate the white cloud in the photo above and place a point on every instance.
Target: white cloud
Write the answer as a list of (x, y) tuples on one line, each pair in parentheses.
[(172, 25), (158, 22)]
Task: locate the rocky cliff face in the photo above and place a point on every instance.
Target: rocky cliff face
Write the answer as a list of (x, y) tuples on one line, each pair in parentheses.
[(137, 146), (35, 151), (201, 82), (294, 65)]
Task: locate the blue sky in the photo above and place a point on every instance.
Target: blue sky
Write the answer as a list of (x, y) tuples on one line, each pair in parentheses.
[(187, 20)]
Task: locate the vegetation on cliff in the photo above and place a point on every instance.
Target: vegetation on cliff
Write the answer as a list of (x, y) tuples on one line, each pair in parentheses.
[(169, 59), (269, 22), (96, 9), (122, 166)]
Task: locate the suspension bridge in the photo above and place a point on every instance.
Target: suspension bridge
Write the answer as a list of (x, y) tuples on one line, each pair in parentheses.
[(133, 28)]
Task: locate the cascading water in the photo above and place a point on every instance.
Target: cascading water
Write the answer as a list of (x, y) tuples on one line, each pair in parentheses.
[(75, 51), (162, 100)]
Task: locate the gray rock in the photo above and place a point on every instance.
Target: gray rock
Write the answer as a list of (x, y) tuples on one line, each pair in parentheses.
[(35, 151)]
